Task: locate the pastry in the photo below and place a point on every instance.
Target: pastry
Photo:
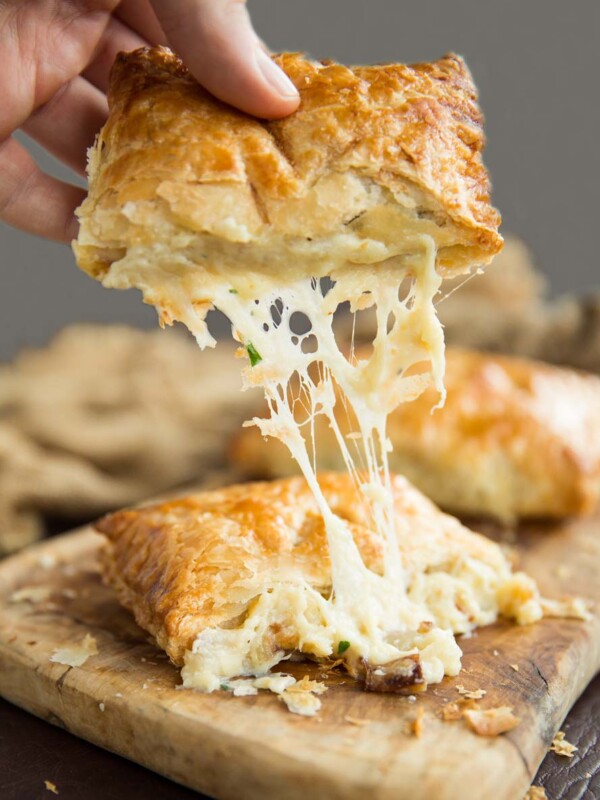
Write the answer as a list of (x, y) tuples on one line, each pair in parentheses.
[(232, 581)]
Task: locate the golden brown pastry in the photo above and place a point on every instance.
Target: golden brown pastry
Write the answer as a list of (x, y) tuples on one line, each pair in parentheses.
[(516, 438), (231, 581), (374, 157)]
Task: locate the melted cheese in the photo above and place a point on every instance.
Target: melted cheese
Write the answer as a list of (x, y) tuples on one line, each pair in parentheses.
[(378, 614)]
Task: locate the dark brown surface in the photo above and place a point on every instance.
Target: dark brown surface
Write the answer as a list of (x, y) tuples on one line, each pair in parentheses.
[(32, 751)]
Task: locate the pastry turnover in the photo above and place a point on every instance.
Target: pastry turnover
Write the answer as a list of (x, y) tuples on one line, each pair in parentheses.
[(516, 438), (232, 581), (373, 157)]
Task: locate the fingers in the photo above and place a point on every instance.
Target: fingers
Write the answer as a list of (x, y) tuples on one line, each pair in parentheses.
[(33, 201), (67, 125), (140, 17), (116, 37), (216, 40)]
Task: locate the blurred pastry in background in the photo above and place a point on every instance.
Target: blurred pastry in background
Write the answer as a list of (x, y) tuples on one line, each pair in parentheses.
[(490, 309), (515, 439), (506, 308), (106, 416)]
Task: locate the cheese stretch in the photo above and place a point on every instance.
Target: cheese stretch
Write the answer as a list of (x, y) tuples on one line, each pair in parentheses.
[(284, 320)]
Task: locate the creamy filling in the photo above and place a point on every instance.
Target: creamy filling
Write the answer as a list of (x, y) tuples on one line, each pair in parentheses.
[(368, 618)]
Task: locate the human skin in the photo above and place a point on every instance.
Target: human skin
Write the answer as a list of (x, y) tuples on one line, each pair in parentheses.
[(56, 57)]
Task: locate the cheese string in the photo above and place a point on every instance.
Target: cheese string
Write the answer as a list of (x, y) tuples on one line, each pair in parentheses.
[(291, 367)]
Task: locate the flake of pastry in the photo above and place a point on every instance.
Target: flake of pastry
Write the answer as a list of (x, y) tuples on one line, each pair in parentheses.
[(76, 655)]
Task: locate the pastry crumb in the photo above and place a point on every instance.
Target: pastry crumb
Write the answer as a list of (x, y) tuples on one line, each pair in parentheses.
[(304, 703), (562, 747), (276, 682), (515, 667), (536, 793), (491, 721), (301, 697), (51, 787), (475, 694), (101, 706), (568, 607), (306, 685), (451, 712), (242, 687), (496, 652), (77, 654), (416, 725)]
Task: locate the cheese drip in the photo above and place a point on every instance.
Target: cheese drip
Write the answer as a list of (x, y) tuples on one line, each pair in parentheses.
[(369, 610)]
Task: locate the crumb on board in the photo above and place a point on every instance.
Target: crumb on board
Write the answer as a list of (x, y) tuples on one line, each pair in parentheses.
[(471, 694), (496, 652), (304, 703), (456, 709), (47, 561), (416, 726), (101, 706), (76, 655), (276, 682), (536, 793), (242, 687), (51, 787), (568, 607), (561, 746), (451, 712), (299, 696), (306, 685), (515, 667), (491, 721)]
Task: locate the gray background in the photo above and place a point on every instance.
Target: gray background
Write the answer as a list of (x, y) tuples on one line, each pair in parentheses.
[(537, 64)]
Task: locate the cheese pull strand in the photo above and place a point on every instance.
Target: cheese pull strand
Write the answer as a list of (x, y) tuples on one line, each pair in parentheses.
[(312, 370)]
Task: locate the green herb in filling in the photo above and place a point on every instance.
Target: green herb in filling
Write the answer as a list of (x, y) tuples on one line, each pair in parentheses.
[(253, 354)]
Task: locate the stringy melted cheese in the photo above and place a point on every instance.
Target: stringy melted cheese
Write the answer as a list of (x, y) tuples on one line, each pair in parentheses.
[(371, 611)]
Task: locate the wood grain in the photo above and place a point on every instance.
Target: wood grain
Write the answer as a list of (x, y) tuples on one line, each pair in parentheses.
[(252, 747)]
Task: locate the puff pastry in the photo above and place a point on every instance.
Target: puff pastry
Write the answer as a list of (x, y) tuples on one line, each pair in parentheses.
[(372, 153), (516, 438), (232, 581)]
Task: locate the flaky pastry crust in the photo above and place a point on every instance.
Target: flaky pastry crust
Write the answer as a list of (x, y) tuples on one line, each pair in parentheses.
[(172, 160), (516, 438), (199, 562)]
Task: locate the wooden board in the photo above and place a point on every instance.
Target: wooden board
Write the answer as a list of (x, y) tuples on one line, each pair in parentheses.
[(126, 699)]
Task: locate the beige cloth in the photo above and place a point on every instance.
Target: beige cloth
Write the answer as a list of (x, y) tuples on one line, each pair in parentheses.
[(107, 416)]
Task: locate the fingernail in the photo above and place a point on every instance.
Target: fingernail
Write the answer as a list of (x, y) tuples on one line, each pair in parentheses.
[(274, 76)]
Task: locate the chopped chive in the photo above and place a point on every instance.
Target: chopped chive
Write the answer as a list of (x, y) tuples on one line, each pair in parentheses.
[(225, 687), (233, 291), (342, 647), (253, 354)]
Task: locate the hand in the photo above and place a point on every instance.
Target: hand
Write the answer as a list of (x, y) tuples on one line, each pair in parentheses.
[(56, 57)]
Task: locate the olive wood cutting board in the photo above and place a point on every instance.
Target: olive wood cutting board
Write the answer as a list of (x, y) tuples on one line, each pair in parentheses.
[(126, 698)]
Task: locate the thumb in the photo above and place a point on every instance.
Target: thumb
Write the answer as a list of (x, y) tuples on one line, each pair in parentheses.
[(217, 42)]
